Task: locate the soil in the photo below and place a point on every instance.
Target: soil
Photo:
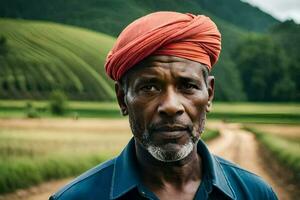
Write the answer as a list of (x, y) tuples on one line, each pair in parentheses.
[(287, 131), (240, 147), (40, 192)]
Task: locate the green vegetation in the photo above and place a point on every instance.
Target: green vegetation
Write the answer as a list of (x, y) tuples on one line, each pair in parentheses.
[(39, 57), (245, 16), (41, 155), (111, 17), (256, 112), (231, 112), (285, 151), (269, 70), (25, 172), (30, 111), (287, 34), (210, 134), (3, 45), (44, 57), (58, 102), (75, 109)]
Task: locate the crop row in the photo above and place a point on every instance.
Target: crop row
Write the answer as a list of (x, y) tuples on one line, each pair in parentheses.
[(42, 57), (284, 150)]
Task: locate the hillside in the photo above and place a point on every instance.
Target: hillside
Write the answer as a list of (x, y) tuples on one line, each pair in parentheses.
[(239, 13), (234, 19), (288, 35), (111, 16), (40, 57)]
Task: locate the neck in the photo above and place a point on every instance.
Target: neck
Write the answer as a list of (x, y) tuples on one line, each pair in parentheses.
[(178, 174)]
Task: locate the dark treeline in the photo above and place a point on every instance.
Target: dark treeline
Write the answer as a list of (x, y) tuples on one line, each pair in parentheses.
[(110, 16), (257, 66), (269, 64)]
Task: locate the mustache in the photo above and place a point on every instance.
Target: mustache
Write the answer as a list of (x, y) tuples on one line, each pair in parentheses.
[(167, 126)]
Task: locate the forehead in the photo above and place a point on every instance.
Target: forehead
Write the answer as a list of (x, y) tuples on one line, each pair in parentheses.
[(160, 66)]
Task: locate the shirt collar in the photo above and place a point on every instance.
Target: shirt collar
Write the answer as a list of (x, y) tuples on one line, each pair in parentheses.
[(214, 171), (125, 176)]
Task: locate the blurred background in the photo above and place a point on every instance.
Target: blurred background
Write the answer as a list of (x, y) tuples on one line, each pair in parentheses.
[(58, 112)]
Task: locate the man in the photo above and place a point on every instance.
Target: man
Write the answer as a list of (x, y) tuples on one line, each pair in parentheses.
[(160, 63)]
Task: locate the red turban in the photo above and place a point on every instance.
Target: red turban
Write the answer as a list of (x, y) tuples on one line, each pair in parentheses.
[(165, 33)]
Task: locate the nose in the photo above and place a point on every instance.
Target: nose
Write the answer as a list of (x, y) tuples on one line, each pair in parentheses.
[(170, 104)]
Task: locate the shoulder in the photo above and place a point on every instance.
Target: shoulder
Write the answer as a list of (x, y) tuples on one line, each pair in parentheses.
[(92, 184), (245, 184)]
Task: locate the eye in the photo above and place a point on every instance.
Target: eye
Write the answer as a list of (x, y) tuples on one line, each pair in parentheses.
[(149, 88), (189, 86)]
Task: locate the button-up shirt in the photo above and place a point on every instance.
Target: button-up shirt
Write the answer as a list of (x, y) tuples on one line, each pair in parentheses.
[(119, 179)]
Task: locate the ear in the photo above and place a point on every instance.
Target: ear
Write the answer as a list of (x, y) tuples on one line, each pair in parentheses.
[(211, 91), (120, 93)]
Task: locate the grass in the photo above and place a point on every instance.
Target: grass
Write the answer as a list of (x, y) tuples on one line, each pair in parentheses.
[(111, 17), (32, 155), (12, 109), (29, 157), (44, 56), (281, 113), (284, 150), (210, 134), (24, 172)]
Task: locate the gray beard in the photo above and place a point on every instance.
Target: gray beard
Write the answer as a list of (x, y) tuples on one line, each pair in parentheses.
[(161, 154)]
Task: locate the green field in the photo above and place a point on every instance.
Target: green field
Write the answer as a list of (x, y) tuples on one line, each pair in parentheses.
[(231, 112), (44, 153), (43, 56), (285, 150), (273, 113), (39, 156), (30, 155)]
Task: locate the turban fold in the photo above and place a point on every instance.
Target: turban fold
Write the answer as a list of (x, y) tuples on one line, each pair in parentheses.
[(164, 33)]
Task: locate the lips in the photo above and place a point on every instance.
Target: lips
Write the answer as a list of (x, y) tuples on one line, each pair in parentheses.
[(170, 132), (171, 128)]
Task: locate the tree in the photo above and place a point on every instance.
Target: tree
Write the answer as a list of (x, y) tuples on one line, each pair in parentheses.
[(263, 67), (287, 34), (3, 45), (58, 102)]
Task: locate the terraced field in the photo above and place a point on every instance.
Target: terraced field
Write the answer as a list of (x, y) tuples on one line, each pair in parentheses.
[(43, 56)]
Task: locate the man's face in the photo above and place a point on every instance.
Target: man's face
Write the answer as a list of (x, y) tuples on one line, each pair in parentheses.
[(167, 99)]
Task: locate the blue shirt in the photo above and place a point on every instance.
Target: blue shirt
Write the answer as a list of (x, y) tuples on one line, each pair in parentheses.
[(119, 179)]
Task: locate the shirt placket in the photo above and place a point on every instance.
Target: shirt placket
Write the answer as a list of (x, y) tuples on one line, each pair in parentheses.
[(146, 194)]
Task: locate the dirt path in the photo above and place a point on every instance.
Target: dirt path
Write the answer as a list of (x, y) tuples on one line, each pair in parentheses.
[(234, 144), (41, 192), (240, 147)]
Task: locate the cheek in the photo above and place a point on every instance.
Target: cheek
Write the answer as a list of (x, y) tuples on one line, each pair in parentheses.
[(196, 109), (202, 122), (197, 106), (140, 114), (142, 106)]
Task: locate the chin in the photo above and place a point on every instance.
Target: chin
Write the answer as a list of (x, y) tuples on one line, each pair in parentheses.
[(170, 152)]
